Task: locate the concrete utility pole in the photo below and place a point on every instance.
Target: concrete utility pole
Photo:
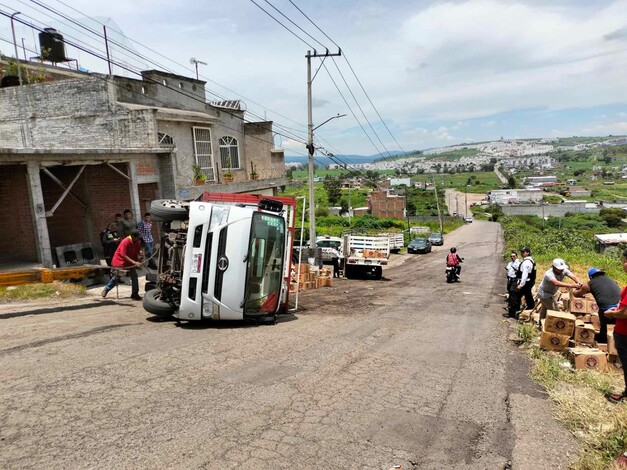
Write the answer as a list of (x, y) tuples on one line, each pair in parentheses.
[(437, 204), (310, 145), (27, 140)]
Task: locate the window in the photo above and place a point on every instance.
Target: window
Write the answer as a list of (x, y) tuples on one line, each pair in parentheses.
[(165, 140), (202, 151), (229, 149)]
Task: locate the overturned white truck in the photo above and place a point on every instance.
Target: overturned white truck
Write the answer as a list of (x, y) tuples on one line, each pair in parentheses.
[(222, 257)]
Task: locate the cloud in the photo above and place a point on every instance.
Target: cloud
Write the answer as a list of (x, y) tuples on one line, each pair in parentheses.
[(613, 128)]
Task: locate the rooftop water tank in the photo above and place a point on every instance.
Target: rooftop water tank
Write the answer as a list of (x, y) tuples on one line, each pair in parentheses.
[(52, 45)]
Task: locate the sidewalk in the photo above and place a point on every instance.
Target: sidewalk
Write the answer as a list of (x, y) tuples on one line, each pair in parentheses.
[(121, 293)]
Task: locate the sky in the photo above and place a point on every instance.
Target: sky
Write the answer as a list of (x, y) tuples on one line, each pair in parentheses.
[(438, 73)]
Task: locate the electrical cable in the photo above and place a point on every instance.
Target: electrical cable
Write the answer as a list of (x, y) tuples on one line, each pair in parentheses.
[(161, 66), (354, 74)]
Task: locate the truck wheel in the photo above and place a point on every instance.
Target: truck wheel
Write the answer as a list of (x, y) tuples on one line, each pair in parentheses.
[(378, 273), (348, 272), (166, 210), (153, 304)]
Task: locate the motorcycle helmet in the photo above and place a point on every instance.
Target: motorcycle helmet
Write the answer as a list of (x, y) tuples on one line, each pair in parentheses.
[(453, 250)]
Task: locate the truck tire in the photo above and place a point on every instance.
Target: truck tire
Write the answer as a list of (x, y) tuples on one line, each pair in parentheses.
[(349, 272), (166, 210), (378, 273), (153, 304)]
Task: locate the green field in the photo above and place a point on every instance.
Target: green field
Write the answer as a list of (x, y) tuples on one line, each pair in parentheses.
[(453, 154)]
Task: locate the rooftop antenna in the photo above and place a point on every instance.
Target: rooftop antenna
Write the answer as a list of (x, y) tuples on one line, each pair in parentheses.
[(195, 62)]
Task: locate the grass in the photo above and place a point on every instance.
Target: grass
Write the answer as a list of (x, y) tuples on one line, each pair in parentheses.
[(40, 291), (581, 405)]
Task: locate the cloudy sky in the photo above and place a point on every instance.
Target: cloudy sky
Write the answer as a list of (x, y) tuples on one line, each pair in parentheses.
[(438, 72)]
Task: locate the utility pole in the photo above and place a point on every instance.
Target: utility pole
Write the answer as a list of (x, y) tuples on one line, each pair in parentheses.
[(310, 145), (466, 202), (437, 204), (457, 204), (27, 138)]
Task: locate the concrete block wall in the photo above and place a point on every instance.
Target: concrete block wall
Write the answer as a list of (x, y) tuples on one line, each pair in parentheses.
[(17, 242), (547, 210), (258, 143), (76, 113)]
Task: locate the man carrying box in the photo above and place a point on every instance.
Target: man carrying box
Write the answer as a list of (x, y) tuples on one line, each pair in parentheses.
[(553, 280), (606, 294)]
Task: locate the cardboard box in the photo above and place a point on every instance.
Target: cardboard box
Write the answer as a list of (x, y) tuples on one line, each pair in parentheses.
[(553, 341), (596, 322), (584, 333), (588, 358), (562, 323), (578, 305), (613, 364), (602, 347), (592, 306)]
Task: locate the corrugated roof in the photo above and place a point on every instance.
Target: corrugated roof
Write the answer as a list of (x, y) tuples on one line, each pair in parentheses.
[(611, 238)]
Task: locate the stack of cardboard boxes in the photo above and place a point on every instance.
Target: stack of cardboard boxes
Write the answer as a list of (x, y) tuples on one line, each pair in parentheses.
[(310, 277), (573, 332)]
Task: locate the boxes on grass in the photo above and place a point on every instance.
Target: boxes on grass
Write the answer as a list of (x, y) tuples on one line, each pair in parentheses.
[(591, 306), (584, 333), (588, 358), (578, 305), (562, 323), (553, 341), (613, 364)]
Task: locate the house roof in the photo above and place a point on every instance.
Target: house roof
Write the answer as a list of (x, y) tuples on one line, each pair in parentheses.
[(611, 238), (171, 114)]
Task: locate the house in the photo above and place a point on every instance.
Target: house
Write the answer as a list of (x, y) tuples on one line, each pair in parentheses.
[(383, 204), (578, 191), (80, 147), (609, 241), (514, 196), (538, 180), (400, 181)]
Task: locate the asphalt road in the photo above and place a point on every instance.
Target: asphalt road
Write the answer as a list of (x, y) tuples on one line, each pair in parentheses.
[(406, 371)]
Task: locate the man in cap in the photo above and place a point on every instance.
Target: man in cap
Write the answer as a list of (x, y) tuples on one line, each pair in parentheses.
[(606, 294), (552, 280), (126, 257)]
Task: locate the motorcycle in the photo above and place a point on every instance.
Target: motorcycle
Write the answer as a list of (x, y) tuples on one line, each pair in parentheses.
[(452, 274)]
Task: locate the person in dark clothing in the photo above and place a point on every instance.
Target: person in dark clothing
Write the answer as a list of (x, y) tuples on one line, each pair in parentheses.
[(606, 293), (110, 239), (127, 224), (527, 279)]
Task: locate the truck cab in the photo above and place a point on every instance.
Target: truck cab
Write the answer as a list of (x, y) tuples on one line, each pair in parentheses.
[(226, 257)]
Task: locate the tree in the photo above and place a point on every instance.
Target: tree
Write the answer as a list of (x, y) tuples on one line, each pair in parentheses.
[(613, 217), (333, 188), (511, 182), (344, 209)]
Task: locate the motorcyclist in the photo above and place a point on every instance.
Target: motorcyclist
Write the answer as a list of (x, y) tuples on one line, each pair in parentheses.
[(454, 260)]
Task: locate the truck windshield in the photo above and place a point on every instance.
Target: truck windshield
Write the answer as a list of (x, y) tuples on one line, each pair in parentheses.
[(264, 270)]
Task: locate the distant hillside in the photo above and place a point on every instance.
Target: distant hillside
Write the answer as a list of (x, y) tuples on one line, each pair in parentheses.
[(321, 159)]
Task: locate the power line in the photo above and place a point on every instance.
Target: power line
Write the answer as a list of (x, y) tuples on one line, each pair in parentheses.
[(161, 66), (150, 80), (354, 74)]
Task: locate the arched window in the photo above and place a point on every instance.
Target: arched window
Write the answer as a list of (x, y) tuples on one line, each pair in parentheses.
[(229, 152)]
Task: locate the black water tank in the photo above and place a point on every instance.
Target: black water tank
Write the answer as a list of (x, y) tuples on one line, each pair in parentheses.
[(52, 45)]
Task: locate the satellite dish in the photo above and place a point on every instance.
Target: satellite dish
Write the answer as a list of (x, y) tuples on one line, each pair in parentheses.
[(193, 60)]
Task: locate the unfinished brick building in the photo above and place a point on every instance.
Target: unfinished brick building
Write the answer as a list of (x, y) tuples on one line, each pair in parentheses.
[(78, 148), (384, 204)]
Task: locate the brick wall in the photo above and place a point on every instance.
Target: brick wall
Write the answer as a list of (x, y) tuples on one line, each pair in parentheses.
[(17, 242), (384, 205), (104, 192)]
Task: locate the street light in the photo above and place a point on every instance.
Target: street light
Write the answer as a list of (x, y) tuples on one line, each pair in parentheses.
[(312, 209)]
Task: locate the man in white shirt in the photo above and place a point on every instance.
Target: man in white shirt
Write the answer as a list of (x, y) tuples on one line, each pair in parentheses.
[(553, 280), (511, 268)]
